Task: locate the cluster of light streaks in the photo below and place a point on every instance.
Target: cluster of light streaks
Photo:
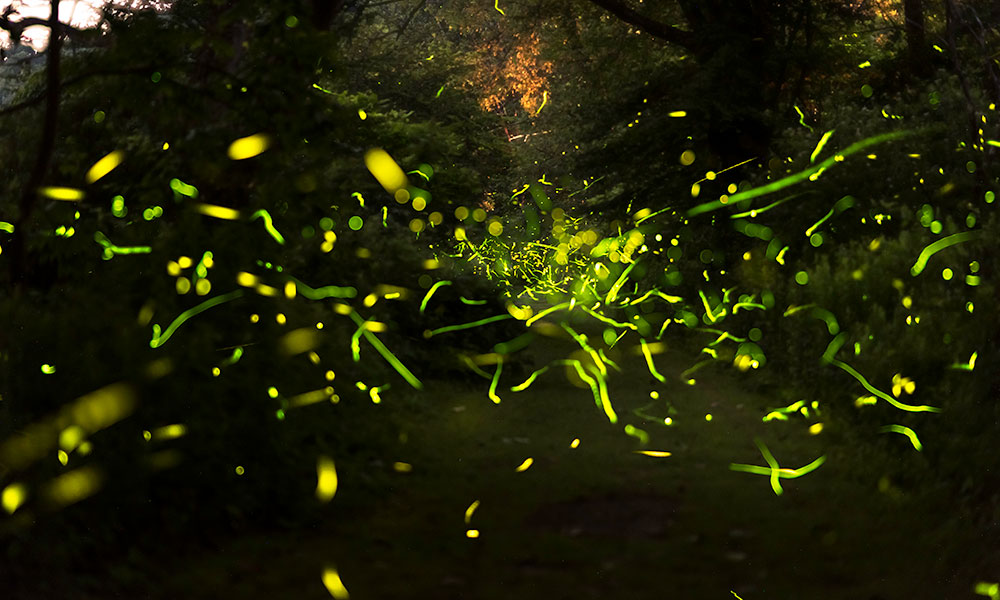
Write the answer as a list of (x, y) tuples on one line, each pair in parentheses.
[(801, 176), (574, 270), (773, 470), (67, 431)]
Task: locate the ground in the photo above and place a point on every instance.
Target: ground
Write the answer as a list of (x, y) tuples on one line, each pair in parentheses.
[(600, 520)]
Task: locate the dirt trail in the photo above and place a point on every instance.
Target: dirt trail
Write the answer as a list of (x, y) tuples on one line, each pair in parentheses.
[(600, 520)]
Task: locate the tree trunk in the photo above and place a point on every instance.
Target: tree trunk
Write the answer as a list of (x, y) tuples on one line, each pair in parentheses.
[(21, 263), (916, 42)]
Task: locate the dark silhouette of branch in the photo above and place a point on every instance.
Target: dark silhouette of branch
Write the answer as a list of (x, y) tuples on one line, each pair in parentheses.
[(71, 81), (657, 29), (409, 17), (16, 28)]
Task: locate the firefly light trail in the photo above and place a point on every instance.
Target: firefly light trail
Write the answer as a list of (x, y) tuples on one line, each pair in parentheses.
[(158, 339), (799, 177)]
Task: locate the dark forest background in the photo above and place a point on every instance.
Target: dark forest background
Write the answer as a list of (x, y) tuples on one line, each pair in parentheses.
[(237, 237)]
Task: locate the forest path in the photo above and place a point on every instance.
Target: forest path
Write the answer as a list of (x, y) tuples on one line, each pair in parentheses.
[(600, 520)]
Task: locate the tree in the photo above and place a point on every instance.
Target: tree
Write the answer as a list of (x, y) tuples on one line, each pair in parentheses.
[(913, 11)]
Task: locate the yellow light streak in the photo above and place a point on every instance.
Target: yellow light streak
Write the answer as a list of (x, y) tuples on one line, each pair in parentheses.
[(104, 166), (248, 147)]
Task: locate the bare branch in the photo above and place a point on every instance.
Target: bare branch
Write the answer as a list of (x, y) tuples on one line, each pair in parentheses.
[(413, 13), (667, 33), (16, 28), (71, 81)]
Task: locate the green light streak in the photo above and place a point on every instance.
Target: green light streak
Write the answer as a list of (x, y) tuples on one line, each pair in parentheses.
[(880, 393), (608, 320), (598, 387), (697, 366), (729, 168), (905, 431), (5, 226), (650, 216), (774, 415), (802, 118), (827, 317), (984, 588), (547, 311), (268, 224), (385, 215), (581, 340), (966, 366), (781, 413), (471, 302), (613, 292), (747, 305), (780, 258), (430, 292), (771, 462), (756, 211), (478, 323), (605, 401), (656, 292), (725, 335), (521, 341), (834, 345), (418, 172), (939, 245), (791, 310), (708, 309), (799, 177), (158, 339), (356, 342), (386, 354), (235, 358), (815, 225), (200, 270), (586, 186), (663, 329), (496, 5), (605, 358), (649, 362), (638, 434), (438, 94), (183, 189), (496, 380), (110, 250), (328, 291), (819, 147), (474, 367), (322, 89), (774, 470), (840, 206), (527, 382)]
